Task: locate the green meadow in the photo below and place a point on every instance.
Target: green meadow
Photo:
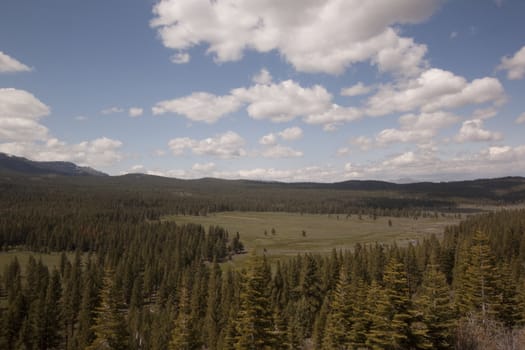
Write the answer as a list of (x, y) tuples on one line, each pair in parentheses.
[(284, 234)]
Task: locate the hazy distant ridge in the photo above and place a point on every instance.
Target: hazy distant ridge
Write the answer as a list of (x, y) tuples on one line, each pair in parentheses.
[(22, 165)]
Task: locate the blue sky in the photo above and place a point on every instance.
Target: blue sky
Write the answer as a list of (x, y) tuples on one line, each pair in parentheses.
[(310, 90)]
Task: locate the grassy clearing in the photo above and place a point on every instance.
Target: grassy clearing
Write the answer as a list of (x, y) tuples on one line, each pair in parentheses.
[(51, 260), (322, 232)]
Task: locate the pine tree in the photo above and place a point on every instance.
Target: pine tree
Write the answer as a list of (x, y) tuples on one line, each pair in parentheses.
[(109, 328), (434, 306), (212, 318), (360, 321), (477, 293), (255, 314), (51, 335), (339, 321), (181, 336), (311, 295), (393, 323)]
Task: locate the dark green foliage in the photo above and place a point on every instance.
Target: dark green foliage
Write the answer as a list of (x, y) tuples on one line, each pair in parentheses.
[(109, 327), (137, 282)]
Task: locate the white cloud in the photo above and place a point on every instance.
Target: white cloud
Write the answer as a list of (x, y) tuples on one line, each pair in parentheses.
[(23, 135), (344, 151), (521, 119), (279, 151), (313, 173), (402, 56), (472, 131), (269, 139), (81, 118), (433, 90), (227, 145), (10, 65), (136, 168), (356, 90), (334, 116), (263, 77), (20, 113), (135, 112), (485, 113), (284, 101), (417, 128), (203, 167), (180, 58), (515, 65), (180, 144), (291, 134), (199, 106), (357, 31), (363, 142), (454, 35), (112, 110), (99, 152), (288, 134), (401, 160)]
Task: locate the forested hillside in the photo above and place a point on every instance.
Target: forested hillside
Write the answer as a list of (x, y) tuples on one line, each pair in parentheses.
[(134, 281)]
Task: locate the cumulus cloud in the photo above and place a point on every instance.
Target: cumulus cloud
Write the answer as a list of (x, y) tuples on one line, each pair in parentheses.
[(472, 131), (284, 101), (269, 139), (515, 65), (521, 119), (433, 90), (312, 173), (20, 113), (334, 116), (504, 153), (22, 134), (112, 110), (10, 65), (180, 58), (484, 113), (227, 145), (203, 167), (279, 151), (291, 134), (358, 31), (135, 112), (356, 90), (401, 160), (417, 128), (99, 152), (363, 142), (402, 56), (263, 77), (199, 106), (137, 168)]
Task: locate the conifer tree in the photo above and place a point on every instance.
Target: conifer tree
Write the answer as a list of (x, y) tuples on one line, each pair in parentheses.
[(109, 328), (434, 306), (212, 318), (361, 308), (181, 336), (255, 314), (311, 295), (51, 331), (393, 322), (339, 321), (477, 293)]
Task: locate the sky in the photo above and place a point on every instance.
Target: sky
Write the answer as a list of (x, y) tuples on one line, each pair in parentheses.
[(296, 90)]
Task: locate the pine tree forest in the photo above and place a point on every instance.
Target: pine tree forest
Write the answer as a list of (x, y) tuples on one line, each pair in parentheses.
[(129, 280)]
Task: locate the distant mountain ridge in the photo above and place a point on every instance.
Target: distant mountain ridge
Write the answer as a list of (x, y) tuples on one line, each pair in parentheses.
[(509, 188), (10, 163)]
